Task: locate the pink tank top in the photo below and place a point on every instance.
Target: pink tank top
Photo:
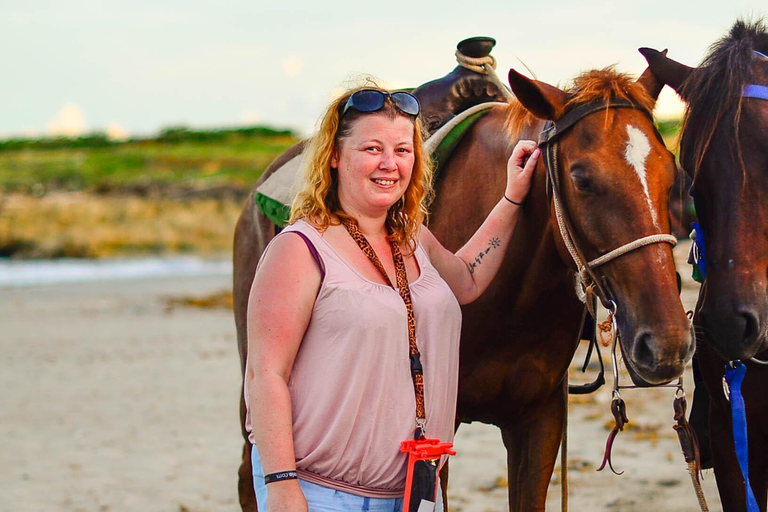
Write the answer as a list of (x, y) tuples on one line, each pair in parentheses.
[(351, 390)]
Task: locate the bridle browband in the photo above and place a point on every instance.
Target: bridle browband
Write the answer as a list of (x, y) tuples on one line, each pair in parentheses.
[(548, 140)]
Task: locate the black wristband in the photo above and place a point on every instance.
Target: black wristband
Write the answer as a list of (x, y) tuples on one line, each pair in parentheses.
[(282, 475), (511, 201)]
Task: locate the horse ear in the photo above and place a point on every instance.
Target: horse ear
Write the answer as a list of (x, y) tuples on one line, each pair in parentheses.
[(540, 99), (665, 69), (650, 82)]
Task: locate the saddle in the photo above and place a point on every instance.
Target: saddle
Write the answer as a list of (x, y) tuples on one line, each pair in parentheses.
[(462, 88)]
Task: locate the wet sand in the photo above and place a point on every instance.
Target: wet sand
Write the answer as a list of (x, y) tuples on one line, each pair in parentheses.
[(113, 402)]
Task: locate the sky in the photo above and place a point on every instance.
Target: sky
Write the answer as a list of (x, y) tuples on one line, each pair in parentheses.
[(134, 67)]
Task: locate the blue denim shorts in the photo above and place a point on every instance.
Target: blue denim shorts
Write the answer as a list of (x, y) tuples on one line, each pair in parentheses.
[(324, 499)]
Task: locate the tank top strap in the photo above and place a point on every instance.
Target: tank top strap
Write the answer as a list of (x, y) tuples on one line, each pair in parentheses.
[(305, 231)]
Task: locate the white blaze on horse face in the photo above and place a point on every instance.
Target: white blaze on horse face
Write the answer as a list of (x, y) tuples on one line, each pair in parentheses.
[(636, 153)]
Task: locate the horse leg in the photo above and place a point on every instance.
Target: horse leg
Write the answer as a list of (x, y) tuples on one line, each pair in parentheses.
[(758, 469), (730, 485), (245, 490), (444, 484), (532, 444), (252, 234), (727, 472), (757, 413)]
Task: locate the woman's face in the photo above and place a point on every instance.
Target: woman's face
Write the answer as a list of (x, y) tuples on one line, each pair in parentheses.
[(374, 164)]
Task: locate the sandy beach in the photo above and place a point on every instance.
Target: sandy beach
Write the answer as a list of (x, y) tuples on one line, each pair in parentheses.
[(115, 402)]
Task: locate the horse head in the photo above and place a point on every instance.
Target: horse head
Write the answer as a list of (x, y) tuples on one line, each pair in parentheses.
[(723, 147), (611, 173)]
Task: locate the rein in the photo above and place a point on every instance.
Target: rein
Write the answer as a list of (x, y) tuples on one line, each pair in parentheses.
[(548, 139)]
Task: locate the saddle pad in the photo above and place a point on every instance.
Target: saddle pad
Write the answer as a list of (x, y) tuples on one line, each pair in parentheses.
[(275, 195)]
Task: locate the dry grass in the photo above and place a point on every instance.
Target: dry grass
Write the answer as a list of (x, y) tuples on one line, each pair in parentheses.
[(82, 225), (223, 300)]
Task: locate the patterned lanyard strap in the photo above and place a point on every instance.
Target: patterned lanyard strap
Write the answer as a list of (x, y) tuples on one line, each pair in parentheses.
[(417, 371)]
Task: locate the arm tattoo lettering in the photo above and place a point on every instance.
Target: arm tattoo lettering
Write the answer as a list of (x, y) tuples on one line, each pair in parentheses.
[(493, 243)]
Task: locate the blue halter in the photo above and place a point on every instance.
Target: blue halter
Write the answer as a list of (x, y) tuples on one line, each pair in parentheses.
[(759, 92), (756, 91)]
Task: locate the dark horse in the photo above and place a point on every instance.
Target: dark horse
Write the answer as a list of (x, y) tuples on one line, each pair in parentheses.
[(519, 337), (724, 148)]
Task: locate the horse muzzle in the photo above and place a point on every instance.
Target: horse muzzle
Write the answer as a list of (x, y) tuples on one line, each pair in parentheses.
[(657, 358), (735, 331)]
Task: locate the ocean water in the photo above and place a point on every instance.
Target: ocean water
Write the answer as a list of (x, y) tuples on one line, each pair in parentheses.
[(17, 273)]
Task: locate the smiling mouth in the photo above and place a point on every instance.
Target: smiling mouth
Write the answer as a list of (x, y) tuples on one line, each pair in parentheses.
[(383, 183)]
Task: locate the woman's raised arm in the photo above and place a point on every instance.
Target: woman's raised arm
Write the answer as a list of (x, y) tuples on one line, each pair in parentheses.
[(471, 269)]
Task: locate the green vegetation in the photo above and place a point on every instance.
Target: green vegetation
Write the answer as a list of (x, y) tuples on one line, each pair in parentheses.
[(176, 157), (670, 132), (668, 127)]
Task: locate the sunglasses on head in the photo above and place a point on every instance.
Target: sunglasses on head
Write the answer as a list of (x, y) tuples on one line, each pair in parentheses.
[(371, 100)]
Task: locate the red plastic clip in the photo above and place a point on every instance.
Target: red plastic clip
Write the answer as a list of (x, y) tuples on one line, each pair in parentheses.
[(421, 479)]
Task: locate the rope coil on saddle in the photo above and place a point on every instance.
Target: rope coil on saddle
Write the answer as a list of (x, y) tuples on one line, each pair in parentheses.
[(485, 66)]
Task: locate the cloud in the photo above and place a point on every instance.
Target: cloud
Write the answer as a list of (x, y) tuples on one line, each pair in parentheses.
[(251, 117), (68, 121), (116, 132), (292, 66)]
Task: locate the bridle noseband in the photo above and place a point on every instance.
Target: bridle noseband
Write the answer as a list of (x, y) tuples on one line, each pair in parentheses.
[(548, 141)]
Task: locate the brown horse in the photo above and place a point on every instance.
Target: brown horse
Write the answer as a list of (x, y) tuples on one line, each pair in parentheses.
[(519, 337), (723, 149)]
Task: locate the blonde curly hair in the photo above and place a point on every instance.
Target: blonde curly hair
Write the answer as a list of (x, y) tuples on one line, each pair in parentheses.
[(318, 201)]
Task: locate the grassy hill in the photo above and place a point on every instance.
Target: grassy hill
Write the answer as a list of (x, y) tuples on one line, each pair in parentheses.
[(181, 191)]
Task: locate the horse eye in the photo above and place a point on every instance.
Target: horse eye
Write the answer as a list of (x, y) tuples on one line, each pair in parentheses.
[(582, 183)]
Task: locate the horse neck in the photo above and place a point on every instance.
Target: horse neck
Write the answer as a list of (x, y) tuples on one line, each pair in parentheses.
[(536, 253)]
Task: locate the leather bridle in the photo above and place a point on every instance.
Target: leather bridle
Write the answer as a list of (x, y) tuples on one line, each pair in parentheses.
[(548, 141)]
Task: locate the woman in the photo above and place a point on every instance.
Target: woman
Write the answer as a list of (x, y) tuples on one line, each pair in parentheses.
[(336, 368)]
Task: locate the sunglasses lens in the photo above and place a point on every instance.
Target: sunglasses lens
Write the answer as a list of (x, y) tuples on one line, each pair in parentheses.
[(371, 100), (406, 102), (367, 101)]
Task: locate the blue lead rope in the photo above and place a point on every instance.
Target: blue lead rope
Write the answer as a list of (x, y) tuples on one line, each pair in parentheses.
[(734, 375)]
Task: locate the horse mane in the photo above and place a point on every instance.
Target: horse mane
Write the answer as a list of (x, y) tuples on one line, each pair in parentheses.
[(605, 84), (713, 90)]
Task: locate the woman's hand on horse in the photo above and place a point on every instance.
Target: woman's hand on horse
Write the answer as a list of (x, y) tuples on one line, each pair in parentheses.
[(520, 168)]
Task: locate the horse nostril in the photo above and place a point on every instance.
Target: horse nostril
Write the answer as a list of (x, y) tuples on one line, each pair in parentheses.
[(643, 352), (751, 325)]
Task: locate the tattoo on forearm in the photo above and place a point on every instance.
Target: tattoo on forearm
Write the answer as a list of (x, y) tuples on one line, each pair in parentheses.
[(493, 243)]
